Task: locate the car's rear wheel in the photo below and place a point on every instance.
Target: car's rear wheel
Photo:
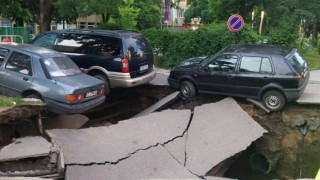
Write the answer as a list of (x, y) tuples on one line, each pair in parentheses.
[(273, 100), (45, 112), (106, 82), (187, 89)]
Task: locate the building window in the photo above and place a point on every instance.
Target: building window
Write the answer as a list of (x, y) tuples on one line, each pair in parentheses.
[(82, 25), (5, 23), (181, 13), (91, 25)]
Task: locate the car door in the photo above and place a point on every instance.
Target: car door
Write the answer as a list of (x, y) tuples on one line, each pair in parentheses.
[(218, 75), (4, 53), (254, 73), (17, 73)]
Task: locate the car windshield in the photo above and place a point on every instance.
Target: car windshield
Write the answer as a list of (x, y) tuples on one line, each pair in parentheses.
[(206, 61), (61, 66)]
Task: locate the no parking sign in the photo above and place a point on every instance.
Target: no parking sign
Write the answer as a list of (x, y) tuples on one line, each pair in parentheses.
[(235, 23)]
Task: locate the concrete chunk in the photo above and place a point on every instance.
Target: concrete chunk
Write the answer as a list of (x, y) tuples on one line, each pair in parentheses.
[(26, 147), (109, 144), (217, 132), (159, 104), (154, 163)]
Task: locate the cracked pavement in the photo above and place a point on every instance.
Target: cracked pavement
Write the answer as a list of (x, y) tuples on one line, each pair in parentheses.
[(168, 144)]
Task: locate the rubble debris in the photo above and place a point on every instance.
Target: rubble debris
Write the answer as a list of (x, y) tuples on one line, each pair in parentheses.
[(217, 132), (25, 148), (116, 142), (152, 163), (163, 102)]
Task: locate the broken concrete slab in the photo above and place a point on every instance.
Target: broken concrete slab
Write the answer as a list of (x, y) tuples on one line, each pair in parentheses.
[(65, 121), (217, 132), (258, 104), (153, 163), (110, 144), (27, 147), (163, 102), (177, 148), (311, 95)]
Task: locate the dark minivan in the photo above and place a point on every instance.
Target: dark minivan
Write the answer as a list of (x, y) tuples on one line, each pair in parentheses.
[(273, 74), (119, 58)]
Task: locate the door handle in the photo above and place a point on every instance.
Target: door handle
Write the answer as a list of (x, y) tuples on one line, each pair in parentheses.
[(25, 78)]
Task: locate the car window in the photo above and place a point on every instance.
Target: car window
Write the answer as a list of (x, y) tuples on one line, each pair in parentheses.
[(266, 67), (298, 63), (105, 46), (255, 65), (138, 46), (47, 40), (20, 63), (225, 63), (60, 66), (74, 43), (3, 53), (250, 64)]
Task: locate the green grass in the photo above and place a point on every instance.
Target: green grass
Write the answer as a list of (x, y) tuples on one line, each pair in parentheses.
[(6, 101), (313, 59)]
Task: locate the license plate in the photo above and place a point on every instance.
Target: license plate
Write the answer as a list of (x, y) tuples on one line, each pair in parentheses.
[(92, 93), (144, 67)]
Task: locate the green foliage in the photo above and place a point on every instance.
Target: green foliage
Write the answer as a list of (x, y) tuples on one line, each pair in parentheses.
[(199, 9), (14, 9), (70, 10), (285, 34), (128, 15), (149, 16), (112, 24), (6, 101), (174, 47)]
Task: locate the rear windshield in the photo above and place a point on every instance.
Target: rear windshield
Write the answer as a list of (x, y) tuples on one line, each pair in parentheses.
[(138, 46), (61, 66), (298, 63)]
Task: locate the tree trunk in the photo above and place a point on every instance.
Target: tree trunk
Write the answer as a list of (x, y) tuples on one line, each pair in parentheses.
[(46, 15), (315, 32)]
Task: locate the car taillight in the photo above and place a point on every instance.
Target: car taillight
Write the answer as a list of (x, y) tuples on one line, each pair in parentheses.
[(75, 97), (125, 65), (297, 79), (102, 90)]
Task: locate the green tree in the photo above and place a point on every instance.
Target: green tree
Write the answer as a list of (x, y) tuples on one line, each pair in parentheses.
[(149, 16), (199, 8), (15, 10), (128, 15), (70, 10), (107, 9)]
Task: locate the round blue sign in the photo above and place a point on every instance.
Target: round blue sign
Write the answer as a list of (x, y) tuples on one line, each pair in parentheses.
[(235, 23)]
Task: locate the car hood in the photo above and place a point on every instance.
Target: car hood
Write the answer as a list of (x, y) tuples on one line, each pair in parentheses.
[(190, 63), (78, 81)]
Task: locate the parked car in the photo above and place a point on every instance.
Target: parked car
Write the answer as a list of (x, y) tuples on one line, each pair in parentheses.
[(119, 58), (36, 72), (273, 74)]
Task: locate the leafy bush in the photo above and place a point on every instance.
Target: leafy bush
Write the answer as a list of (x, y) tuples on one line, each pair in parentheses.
[(174, 47)]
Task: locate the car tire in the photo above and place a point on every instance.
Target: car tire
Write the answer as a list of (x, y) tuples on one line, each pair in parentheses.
[(106, 82), (187, 89), (273, 100)]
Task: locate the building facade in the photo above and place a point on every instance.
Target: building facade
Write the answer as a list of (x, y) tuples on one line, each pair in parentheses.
[(173, 12)]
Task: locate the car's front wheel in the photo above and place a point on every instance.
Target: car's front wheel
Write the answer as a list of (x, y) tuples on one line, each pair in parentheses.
[(187, 89), (273, 100)]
